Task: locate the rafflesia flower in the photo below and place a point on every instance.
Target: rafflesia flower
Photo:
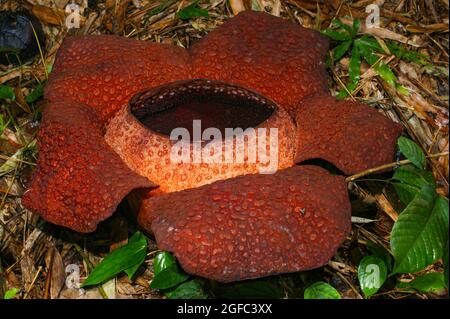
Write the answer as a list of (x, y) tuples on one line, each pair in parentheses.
[(114, 102)]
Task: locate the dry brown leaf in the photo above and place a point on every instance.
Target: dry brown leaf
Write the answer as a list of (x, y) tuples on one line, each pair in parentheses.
[(240, 5), (437, 27), (55, 267), (3, 286), (10, 186), (27, 266), (20, 99), (271, 6), (71, 293), (53, 16)]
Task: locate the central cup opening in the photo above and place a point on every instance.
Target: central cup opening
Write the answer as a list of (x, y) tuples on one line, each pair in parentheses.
[(216, 104)]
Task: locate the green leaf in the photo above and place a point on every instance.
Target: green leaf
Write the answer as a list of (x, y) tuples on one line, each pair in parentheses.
[(446, 264), (353, 73), (372, 273), (11, 293), (430, 282), (255, 289), (132, 270), (335, 35), (121, 259), (340, 50), (6, 93), (369, 44), (192, 11), (162, 261), (35, 94), (385, 73), (3, 124), (380, 252), (412, 151), (169, 277), (356, 26), (339, 24), (418, 237), (354, 69), (321, 290), (406, 192), (379, 66), (188, 290), (407, 55), (411, 180), (402, 90)]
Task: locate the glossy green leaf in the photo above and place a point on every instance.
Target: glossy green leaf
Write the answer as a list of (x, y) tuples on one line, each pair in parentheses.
[(419, 235), (132, 270), (11, 293), (321, 290), (35, 94), (6, 92), (410, 182), (169, 277), (191, 289), (406, 192), (255, 289), (430, 282), (340, 50), (162, 261), (380, 252), (121, 259), (372, 273), (412, 151), (192, 11)]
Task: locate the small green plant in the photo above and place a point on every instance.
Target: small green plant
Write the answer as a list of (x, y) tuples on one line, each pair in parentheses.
[(126, 259), (11, 293), (192, 11), (172, 280), (36, 94), (3, 124), (419, 237), (321, 290), (365, 48), (6, 92), (430, 282)]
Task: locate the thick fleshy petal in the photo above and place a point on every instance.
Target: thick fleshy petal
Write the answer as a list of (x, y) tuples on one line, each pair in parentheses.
[(350, 135), (254, 225), (105, 71), (79, 180), (274, 57)]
